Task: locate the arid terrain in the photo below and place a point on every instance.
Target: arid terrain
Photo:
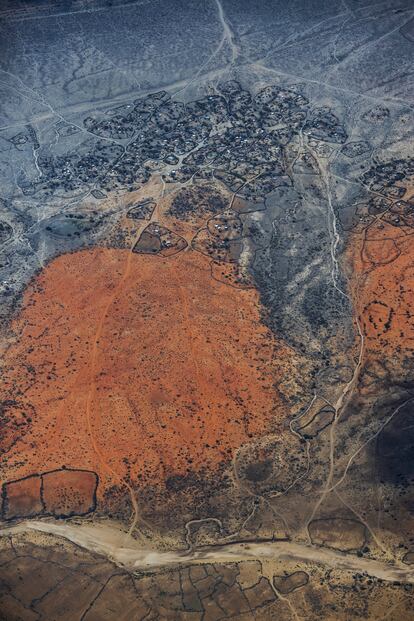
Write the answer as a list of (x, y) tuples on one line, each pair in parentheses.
[(206, 311)]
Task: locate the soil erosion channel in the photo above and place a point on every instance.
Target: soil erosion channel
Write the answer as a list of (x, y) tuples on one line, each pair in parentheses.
[(126, 551)]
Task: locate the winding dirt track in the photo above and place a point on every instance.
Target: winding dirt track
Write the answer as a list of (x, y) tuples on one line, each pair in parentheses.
[(122, 549), (92, 382)]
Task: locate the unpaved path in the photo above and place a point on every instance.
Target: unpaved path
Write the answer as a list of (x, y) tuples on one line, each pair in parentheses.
[(122, 549)]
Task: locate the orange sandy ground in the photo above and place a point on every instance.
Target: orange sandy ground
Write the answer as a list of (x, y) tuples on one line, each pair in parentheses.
[(138, 367), (383, 279)]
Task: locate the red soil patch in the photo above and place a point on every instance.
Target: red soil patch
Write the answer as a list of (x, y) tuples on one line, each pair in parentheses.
[(383, 278), (22, 498), (69, 492), (138, 367)]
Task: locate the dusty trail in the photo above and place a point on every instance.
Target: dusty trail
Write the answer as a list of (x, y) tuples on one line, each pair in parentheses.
[(93, 372), (347, 391), (228, 34), (127, 552), (201, 378)]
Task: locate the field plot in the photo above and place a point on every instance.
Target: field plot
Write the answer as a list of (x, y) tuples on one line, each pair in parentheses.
[(60, 493)]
